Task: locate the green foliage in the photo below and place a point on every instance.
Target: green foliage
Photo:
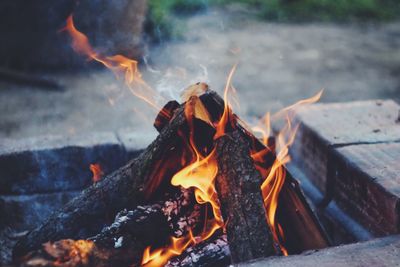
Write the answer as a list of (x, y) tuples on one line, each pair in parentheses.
[(330, 10), (163, 22)]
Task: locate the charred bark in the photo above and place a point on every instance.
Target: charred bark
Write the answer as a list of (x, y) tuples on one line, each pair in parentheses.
[(122, 243), (238, 185)]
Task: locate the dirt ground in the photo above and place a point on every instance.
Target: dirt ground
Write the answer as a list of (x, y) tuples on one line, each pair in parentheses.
[(278, 64)]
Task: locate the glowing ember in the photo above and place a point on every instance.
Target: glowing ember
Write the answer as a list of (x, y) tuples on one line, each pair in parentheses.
[(96, 171)]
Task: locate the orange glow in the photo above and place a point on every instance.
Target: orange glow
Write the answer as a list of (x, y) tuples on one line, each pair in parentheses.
[(96, 171), (68, 251), (121, 66), (275, 177)]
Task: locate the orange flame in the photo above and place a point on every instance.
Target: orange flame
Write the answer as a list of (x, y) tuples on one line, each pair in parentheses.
[(275, 178), (199, 175), (119, 64), (227, 114), (96, 171)]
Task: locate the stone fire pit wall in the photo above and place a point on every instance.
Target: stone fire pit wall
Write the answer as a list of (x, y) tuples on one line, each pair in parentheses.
[(40, 175), (351, 154)]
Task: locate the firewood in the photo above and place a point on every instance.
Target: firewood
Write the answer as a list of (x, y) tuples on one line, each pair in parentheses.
[(85, 215), (238, 185), (214, 252), (293, 210), (123, 242), (165, 115)]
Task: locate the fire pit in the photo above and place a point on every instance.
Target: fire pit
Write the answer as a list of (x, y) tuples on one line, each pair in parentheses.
[(341, 226), (207, 191)]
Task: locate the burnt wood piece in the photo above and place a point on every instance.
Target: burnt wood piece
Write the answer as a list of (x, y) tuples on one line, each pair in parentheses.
[(123, 242), (120, 244), (165, 115), (215, 106), (86, 214), (206, 254), (298, 221), (238, 185), (286, 208), (68, 252), (135, 229)]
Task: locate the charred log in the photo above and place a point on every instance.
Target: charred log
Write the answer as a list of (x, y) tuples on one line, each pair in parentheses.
[(123, 242), (206, 254), (238, 185), (85, 215), (293, 210)]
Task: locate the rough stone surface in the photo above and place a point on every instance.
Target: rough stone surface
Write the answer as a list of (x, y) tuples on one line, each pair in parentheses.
[(367, 185), (56, 163), (350, 152), (378, 252), (339, 124), (28, 211)]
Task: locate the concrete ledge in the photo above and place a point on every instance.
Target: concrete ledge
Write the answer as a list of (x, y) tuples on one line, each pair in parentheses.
[(351, 153), (326, 126), (378, 252), (367, 185), (26, 212), (56, 163)]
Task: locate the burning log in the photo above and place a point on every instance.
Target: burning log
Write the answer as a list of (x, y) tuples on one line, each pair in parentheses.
[(238, 185), (85, 215), (123, 242), (207, 254), (293, 210), (159, 210)]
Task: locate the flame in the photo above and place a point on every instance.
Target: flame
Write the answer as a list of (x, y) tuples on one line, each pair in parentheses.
[(199, 175), (119, 64), (276, 175), (227, 114), (96, 171)]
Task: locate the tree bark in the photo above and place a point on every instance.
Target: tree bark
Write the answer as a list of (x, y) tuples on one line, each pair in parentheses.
[(238, 185)]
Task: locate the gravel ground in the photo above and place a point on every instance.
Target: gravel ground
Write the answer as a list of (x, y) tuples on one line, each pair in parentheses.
[(277, 64)]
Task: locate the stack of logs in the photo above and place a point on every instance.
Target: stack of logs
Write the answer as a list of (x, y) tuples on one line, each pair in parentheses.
[(149, 210)]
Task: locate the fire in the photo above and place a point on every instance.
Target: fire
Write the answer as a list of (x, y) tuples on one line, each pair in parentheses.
[(96, 171), (275, 177), (119, 64), (227, 115), (201, 172), (198, 175)]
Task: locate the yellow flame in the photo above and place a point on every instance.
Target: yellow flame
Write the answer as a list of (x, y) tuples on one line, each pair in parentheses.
[(275, 178), (227, 114)]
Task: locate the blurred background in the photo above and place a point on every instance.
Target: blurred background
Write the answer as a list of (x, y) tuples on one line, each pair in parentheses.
[(286, 50)]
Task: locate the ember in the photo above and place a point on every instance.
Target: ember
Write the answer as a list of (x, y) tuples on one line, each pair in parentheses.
[(96, 171)]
